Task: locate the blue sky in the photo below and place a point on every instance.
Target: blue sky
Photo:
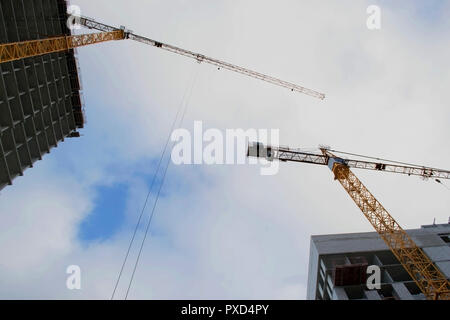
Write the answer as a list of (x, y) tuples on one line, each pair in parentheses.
[(108, 215), (424, 12), (226, 231)]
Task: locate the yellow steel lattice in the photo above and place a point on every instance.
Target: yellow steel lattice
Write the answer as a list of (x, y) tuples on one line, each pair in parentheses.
[(428, 278), (25, 49)]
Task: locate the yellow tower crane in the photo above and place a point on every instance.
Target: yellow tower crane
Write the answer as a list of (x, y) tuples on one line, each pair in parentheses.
[(430, 280), (25, 49)]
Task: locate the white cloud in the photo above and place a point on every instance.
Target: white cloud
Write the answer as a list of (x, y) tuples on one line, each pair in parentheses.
[(40, 215)]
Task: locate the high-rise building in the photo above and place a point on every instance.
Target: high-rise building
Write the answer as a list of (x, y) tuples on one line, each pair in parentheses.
[(40, 102), (338, 265)]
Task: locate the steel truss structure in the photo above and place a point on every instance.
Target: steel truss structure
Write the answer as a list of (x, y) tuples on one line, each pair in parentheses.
[(92, 24), (430, 280), (285, 154), (32, 48)]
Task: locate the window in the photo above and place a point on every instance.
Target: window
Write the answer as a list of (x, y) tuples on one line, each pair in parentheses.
[(445, 237)]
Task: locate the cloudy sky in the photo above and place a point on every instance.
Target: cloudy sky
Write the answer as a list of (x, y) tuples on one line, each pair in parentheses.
[(226, 231)]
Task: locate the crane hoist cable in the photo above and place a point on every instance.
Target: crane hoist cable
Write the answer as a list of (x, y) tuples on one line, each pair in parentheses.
[(428, 278), (183, 109), (179, 110)]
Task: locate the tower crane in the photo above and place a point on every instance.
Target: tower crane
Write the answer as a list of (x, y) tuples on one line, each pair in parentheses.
[(430, 280), (25, 49)]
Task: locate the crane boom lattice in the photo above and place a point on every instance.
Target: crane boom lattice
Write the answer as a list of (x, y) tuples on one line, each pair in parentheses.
[(26, 49), (296, 155), (92, 24)]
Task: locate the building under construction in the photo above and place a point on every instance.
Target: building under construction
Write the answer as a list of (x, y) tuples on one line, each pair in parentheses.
[(40, 102), (338, 265)]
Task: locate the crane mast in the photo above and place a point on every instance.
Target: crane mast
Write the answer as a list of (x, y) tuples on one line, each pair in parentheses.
[(430, 280)]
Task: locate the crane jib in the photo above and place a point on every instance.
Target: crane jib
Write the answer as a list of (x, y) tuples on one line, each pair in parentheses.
[(92, 24)]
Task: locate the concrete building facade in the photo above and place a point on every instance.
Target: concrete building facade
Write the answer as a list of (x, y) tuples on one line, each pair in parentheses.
[(337, 265), (40, 101)]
